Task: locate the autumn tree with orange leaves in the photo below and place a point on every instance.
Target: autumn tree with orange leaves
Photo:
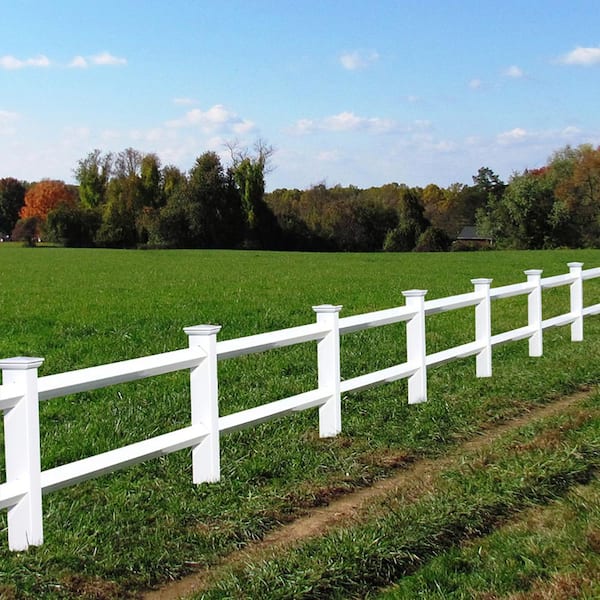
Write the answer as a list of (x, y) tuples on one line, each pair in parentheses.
[(44, 197)]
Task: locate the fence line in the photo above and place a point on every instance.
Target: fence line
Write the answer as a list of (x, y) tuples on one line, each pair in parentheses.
[(22, 389)]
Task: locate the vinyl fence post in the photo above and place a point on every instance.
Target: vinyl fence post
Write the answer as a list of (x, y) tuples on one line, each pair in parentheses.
[(204, 393), (534, 312), (415, 346), (328, 360), (22, 445), (483, 327), (576, 289)]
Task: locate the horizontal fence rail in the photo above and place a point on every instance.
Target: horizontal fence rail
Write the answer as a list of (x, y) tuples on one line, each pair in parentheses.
[(22, 389), (92, 378)]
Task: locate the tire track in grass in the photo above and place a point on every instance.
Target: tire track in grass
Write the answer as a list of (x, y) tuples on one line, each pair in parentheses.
[(413, 480)]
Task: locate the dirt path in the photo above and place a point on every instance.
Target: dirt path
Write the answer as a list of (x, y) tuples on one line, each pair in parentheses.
[(416, 478)]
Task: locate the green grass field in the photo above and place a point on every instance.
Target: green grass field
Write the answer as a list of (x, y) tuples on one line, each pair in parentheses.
[(147, 524)]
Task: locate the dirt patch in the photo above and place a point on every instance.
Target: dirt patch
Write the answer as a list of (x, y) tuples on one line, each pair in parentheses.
[(90, 588), (412, 480), (564, 586)]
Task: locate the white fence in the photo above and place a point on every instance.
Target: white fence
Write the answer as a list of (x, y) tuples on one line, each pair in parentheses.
[(22, 389)]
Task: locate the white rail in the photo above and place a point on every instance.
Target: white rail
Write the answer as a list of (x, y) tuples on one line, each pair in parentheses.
[(507, 291), (107, 462), (362, 382), (22, 389), (439, 305), (376, 319), (92, 378), (269, 341)]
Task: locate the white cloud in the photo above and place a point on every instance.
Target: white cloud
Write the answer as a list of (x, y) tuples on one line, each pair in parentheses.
[(475, 84), (7, 116), (78, 62), (102, 59), (582, 56), (546, 137), (304, 126), (513, 136), (352, 61), (514, 72), (243, 127), (38, 61), (106, 58), (11, 63), (216, 118), (345, 121)]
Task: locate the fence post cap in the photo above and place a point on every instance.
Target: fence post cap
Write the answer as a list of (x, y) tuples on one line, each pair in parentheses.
[(202, 330), (414, 293), (533, 272), (481, 281), (575, 265), (327, 308), (21, 363)]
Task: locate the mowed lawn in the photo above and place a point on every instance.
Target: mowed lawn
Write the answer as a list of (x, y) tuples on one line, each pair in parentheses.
[(147, 524)]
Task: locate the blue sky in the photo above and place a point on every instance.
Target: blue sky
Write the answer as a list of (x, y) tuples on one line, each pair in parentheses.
[(347, 92)]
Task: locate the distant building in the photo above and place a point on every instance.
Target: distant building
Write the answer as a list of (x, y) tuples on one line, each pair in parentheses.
[(470, 236)]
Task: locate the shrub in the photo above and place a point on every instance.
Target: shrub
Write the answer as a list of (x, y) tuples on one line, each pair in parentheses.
[(433, 239), (27, 231), (73, 226), (400, 239)]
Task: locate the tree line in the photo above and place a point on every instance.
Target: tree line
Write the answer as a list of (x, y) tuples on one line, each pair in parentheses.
[(129, 199)]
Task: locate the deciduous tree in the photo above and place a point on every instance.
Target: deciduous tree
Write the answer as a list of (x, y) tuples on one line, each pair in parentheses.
[(248, 172), (150, 176), (215, 210), (45, 196), (523, 216), (12, 198), (576, 173), (119, 213), (93, 173)]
